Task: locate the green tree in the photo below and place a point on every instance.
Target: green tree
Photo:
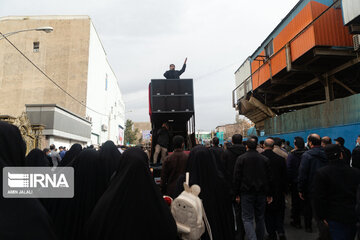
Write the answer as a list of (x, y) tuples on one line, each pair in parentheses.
[(130, 132)]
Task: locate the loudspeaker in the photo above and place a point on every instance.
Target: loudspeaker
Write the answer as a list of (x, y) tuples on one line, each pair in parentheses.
[(173, 96), (172, 86)]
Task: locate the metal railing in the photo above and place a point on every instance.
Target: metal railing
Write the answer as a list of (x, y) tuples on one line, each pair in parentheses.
[(268, 60)]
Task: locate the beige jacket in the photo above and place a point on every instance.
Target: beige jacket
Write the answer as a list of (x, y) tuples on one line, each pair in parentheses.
[(280, 152)]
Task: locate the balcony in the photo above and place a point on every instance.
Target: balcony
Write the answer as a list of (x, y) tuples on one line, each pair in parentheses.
[(310, 61)]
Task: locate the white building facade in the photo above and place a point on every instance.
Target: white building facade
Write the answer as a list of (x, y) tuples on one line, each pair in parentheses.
[(103, 96)]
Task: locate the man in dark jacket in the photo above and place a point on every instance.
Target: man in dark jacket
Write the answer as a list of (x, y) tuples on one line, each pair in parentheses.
[(275, 212), (311, 161), (335, 194), (174, 165), (293, 163), (228, 162), (252, 182), (162, 143), (346, 152), (356, 157), (174, 74), (230, 155)]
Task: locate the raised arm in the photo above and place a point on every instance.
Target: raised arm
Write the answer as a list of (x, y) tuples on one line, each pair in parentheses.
[(182, 70)]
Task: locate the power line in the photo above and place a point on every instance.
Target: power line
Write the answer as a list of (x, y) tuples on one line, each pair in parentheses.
[(217, 70), (49, 78)]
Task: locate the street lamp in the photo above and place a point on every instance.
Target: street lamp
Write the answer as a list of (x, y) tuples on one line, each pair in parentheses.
[(42, 29)]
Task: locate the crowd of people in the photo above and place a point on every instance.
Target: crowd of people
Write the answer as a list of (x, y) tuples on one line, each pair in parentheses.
[(251, 182), (115, 195)]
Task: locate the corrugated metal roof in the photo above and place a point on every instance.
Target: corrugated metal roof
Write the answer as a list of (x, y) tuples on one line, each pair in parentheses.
[(285, 21)]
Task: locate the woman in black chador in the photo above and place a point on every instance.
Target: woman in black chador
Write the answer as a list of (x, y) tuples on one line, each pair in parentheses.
[(20, 218), (36, 158), (110, 157), (132, 207), (215, 193), (70, 155), (71, 214)]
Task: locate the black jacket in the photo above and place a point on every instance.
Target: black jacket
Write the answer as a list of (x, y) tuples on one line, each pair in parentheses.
[(293, 164), (335, 192), (356, 157), (229, 159), (311, 161), (278, 171), (163, 137), (347, 155), (174, 74), (252, 174)]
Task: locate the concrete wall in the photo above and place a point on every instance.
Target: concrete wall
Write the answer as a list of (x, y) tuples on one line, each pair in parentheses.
[(103, 94), (63, 55)]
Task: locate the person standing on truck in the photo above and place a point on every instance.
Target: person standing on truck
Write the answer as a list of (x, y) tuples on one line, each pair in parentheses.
[(162, 143), (175, 74)]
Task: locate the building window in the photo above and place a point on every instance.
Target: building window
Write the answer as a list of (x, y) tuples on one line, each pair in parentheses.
[(269, 49), (36, 46), (106, 82)]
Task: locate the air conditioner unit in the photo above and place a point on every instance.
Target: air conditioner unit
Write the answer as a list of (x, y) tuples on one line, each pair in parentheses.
[(356, 39), (104, 128)]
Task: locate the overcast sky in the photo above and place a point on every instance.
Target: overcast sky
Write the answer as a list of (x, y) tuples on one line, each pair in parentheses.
[(142, 37)]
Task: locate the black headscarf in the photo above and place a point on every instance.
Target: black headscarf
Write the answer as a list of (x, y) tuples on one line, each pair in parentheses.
[(132, 207), (215, 193), (110, 157), (36, 158), (71, 154), (20, 218), (70, 215), (12, 145)]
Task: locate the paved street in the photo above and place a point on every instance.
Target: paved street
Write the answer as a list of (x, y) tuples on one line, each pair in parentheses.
[(297, 234)]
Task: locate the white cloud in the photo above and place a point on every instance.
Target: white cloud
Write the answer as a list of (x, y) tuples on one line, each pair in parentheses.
[(142, 37)]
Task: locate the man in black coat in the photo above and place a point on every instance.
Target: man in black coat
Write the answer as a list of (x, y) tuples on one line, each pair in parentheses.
[(175, 74), (228, 162), (356, 157), (275, 212), (252, 185), (335, 194), (311, 161), (346, 152), (293, 164), (230, 155)]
